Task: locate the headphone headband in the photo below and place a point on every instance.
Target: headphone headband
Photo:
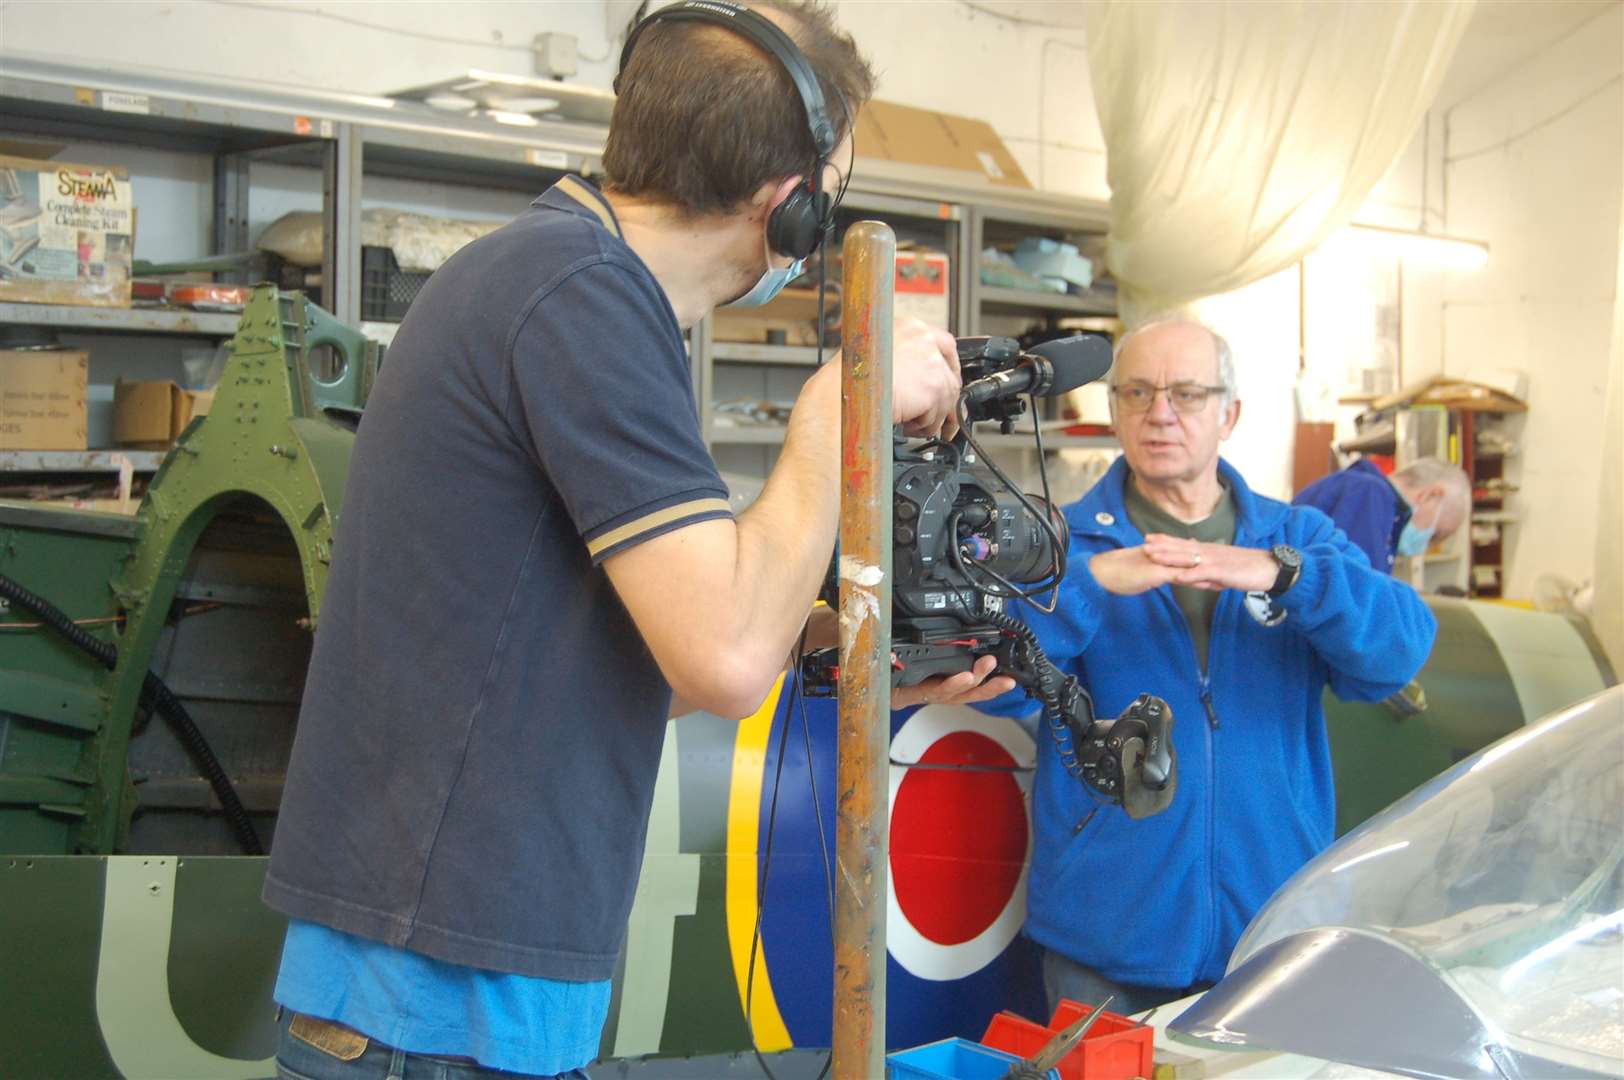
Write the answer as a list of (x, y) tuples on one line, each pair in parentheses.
[(799, 223), (768, 37)]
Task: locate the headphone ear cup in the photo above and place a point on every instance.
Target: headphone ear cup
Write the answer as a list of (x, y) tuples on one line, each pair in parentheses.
[(796, 226)]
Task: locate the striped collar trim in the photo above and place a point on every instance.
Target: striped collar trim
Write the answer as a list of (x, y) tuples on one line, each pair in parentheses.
[(591, 200)]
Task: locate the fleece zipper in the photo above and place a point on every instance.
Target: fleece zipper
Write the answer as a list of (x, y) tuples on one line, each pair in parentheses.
[(1208, 738)]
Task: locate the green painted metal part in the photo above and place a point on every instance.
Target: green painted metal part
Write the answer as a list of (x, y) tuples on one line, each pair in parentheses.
[(272, 436), (1493, 669)]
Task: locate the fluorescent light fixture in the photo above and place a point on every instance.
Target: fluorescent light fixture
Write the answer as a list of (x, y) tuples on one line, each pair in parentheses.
[(1428, 249), (505, 116)]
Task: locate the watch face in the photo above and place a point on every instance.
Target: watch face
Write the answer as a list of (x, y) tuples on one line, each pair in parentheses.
[(1286, 556)]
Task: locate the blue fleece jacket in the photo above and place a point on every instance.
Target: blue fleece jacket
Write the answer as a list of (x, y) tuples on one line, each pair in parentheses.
[(1162, 901), (1361, 502)]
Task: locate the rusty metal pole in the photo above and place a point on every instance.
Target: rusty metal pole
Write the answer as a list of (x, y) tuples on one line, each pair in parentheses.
[(863, 810)]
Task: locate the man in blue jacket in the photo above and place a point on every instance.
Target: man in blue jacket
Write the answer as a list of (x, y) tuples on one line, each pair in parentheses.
[(1239, 611), (1425, 501)]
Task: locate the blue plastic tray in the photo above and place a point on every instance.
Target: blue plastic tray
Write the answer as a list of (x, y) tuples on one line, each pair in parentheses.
[(952, 1059)]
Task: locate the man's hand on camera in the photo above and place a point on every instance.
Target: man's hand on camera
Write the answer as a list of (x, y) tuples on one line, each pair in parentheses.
[(1213, 566), (925, 380), (962, 689)]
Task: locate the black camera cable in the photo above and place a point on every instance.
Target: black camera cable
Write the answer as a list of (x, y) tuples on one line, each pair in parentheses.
[(1044, 519), (155, 694), (797, 699), (1060, 695)]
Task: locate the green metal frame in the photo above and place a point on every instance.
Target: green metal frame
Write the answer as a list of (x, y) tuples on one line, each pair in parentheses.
[(272, 435)]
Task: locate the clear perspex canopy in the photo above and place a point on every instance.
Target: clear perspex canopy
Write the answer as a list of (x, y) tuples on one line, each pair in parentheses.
[(1504, 878)]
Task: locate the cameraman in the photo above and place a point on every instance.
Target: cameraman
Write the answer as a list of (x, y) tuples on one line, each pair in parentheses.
[(535, 551), (1239, 611)]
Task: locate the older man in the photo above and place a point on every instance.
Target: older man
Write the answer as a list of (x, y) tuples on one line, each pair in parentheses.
[(1384, 515), (1239, 611)]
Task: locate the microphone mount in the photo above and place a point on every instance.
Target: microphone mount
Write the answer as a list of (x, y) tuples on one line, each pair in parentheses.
[(998, 375)]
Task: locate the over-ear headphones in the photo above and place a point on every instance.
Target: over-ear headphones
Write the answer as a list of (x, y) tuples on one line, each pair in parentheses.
[(798, 224)]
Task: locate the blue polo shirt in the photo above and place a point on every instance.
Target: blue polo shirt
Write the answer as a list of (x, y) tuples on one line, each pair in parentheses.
[(482, 722)]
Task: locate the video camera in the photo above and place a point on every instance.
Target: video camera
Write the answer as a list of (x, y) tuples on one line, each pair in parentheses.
[(966, 541)]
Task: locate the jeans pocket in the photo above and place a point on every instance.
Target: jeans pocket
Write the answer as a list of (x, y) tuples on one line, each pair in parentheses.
[(285, 1073)]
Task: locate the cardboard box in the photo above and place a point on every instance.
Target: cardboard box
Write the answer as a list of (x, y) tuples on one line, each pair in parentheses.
[(912, 136), (42, 400), (67, 233), (151, 415), (923, 287)]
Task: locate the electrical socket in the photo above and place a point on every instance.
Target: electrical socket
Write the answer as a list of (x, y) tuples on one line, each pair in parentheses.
[(555, 55)]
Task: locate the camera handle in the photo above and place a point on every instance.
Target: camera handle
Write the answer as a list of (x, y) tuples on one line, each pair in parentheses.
[(1130, 760)]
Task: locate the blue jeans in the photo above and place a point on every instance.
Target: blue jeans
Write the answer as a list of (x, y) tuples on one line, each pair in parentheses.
[(345, 1059), (1064, 977)]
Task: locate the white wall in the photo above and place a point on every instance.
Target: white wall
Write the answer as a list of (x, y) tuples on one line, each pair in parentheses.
[(346, 45), (1260, 323), (1535, 167), (1028, 80)]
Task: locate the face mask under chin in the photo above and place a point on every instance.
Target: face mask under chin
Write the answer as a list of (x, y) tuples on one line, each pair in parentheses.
[(770, 284)]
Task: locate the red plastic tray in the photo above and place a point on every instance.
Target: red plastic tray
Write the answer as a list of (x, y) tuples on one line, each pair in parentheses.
[(1115, 1048)]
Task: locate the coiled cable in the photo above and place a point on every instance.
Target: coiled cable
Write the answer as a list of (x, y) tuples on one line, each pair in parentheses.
[(155, 695)]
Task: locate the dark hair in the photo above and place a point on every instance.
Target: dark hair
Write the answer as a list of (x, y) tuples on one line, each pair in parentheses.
[(705, 117)]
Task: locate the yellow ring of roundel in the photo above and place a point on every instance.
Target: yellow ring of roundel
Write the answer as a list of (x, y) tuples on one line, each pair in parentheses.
[(743, 830)]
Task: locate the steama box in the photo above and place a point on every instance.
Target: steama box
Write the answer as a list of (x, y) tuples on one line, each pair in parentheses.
[(67, 233)]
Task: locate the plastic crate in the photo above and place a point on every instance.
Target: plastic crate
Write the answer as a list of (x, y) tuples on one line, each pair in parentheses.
[(1115, 1048), (951, 1059), (387, 290)]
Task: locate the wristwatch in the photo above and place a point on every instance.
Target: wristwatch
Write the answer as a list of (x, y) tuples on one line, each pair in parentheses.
[(1291, 567)]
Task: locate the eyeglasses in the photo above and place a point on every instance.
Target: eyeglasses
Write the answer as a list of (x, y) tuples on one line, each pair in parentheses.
[(1185, 397)]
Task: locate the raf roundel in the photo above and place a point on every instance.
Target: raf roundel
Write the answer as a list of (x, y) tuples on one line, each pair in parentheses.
[(961, 837)]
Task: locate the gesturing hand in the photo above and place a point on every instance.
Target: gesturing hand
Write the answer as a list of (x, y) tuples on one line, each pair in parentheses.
[(1212, 566), (1129, 571)]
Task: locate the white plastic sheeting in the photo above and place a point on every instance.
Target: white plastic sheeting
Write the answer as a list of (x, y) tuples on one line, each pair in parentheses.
[(1608, 617), (421, 243), (1239, 135)]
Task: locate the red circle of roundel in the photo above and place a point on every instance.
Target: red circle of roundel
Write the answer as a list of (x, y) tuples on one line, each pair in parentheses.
[(958, 839)]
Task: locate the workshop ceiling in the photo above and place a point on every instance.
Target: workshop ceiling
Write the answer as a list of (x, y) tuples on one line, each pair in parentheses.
[(1502, 33)]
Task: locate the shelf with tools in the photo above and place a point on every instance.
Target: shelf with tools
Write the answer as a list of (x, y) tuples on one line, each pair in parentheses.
[(122, 320), (939, 242), (338, 143), (79, 461), (753, 362)]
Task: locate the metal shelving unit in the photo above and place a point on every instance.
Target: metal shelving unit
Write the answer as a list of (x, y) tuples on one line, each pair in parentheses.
[(1020, 300), (122, 320), (724, 435), (79, 461), (347, 136), (744, 352), (1000, 220)]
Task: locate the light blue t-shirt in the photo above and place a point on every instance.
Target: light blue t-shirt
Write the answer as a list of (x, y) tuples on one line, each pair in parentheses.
[(422, 1005)]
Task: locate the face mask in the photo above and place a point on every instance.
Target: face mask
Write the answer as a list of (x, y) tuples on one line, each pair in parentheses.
[(1413, 540), (771, 284)]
